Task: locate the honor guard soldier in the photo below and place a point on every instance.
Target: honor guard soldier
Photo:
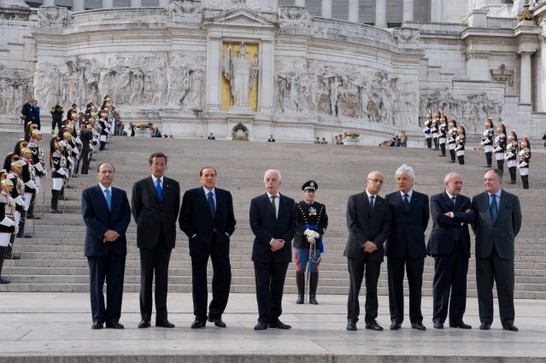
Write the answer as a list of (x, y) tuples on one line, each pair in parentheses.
[(511, 155), (7, 222), (500, 146), (524, 160), (434, 129), (426, 129), (442, 134), (451, 137), (312, 224), (460, 141), (487, 141)]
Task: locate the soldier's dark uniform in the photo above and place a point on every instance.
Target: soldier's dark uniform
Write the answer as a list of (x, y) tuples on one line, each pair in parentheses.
[(312, 223)]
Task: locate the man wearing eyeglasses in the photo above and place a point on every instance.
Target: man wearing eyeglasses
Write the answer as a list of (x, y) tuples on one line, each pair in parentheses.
[(368, 220)]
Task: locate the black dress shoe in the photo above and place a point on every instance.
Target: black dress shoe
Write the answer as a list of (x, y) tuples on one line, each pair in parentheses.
[(11, 256), (418, 326), (115, 325), (96, 325), (260, 326), (395, 325), (351, 325), (3, 281), (164, 323), (459, 324), (144, 324), (198, 324), (485, 326), (218, 322), (372, 325), (438, 325), (279, 325), (510, 327)]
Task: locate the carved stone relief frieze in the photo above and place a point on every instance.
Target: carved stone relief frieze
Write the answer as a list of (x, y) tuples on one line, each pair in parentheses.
[(53, 17), (294, 17), (15, 87), (184, 11)]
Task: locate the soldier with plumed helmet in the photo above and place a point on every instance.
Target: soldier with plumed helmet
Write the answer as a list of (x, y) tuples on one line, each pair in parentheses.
[(7, 222), (312, 224)]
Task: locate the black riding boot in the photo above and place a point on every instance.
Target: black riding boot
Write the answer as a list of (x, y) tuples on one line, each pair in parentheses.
[(55, 201), (429, 143), (500, 165), (488, 159), (525, 181), (512, 172), (2, 255), (461, 159), (300, 283), (313, 283), (452, 154)]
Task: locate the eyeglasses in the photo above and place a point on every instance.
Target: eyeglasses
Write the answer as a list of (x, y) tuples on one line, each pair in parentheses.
[(380, 181)]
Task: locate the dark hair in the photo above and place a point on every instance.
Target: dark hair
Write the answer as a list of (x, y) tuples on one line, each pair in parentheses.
[(157, 155), (106, 163), (206, 167)]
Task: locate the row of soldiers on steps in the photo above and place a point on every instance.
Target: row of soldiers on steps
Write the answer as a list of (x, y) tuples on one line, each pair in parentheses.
[(441, 132), (25, 169)]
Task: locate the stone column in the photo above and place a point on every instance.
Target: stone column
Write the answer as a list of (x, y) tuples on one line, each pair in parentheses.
[(353, 10), (300, 3), (78, 5), (136, 3), (326, 8), (525, 78), (214, 74), (107, 4), (381, 13), (266, 82), (407, 11)]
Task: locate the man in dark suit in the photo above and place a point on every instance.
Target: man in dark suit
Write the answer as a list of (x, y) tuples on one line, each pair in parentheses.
[(155, 203), (369, 220), (497, 223), (107, 215), (449, 244), (207, 218), (273, 221), (406, 248)]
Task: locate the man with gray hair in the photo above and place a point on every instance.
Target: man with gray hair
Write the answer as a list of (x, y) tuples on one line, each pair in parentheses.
[(449, 244), (405, 247), (273, 221)]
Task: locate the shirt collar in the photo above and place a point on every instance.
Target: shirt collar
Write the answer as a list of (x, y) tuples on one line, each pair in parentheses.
[(278, 195), (206, 191), (410, 193), (155, 180), (103, 188)]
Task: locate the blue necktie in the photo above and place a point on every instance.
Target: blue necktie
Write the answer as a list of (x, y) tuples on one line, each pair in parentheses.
[(108, 197), (493, 207), (158, 189), (372, 201), (406, 202), (212, 207)]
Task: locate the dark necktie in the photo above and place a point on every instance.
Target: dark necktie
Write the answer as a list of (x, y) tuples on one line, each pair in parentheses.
[(212, 207), (273, 205), (453, 201), (372, 198), (493, 207), (158, 189), (108, 197), (406, 202)]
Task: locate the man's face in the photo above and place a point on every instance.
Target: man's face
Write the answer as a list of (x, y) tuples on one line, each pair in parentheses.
[(208, 178), (158, 166), (374, 182), (491, 182), (404, 182), (309, 195), (272, 182), (454, 185), (105, 175)]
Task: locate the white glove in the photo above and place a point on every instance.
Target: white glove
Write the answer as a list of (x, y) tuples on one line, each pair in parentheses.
[(308, 232), (311, 240)]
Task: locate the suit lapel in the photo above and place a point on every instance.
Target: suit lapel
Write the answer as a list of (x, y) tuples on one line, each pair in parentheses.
[(502, 204)]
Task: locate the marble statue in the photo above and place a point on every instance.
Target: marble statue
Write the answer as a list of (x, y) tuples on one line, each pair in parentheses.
[(240, 72)]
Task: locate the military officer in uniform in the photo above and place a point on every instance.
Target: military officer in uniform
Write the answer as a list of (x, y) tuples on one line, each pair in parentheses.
[(487, 141), (524, 160), (7, 222), (500, 146), (511, 155), (312, 224)]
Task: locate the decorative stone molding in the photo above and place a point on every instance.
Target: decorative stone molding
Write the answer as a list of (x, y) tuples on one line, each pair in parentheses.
[(476, 54), (406, 36), (502, 74), (294, 17), (239, 132), (53, 17), (184, 11)]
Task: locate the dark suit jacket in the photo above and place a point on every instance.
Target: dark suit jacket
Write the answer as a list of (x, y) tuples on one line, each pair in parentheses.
[(500, 234), (407, 227), (265, 227), (446, 230), (152, 216), (197, 223), (366, 224), (99, 219)]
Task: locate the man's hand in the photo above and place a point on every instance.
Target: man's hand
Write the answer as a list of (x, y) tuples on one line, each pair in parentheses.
[(277, 244), (110, 236), (370, 247)]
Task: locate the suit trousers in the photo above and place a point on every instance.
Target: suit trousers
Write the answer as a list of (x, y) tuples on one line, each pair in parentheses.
[(395, 270), (154, 260), (358, 268), (109, 268), (501, 271), (270, 278), (221, 282), (450, 276)]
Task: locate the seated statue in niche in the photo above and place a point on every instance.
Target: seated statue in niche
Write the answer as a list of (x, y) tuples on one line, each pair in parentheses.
[(240, 71)]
